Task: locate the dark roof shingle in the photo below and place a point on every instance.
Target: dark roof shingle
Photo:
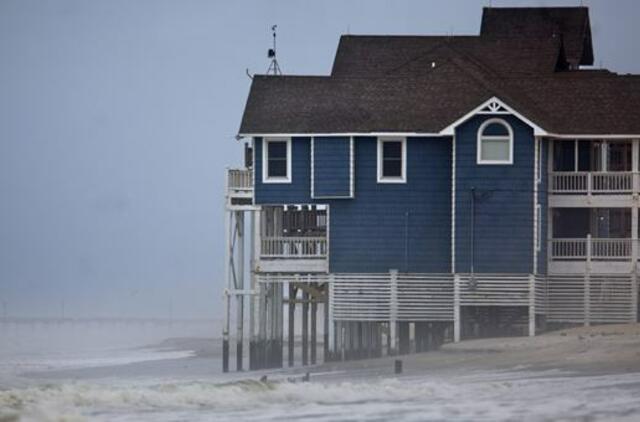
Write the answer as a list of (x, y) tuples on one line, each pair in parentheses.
[(423, 84)]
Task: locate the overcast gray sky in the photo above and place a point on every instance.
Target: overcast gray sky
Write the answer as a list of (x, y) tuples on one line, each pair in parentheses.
[(117, 119)]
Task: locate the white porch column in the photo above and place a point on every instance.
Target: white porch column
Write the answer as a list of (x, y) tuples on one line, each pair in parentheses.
[(634, 297), (393, 302), (635, 144), (587, 285), (456, 308), (532, 305), (331, 325)]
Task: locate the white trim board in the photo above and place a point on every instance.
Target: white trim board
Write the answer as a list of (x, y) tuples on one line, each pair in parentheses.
[(338, 134), (504, 109)]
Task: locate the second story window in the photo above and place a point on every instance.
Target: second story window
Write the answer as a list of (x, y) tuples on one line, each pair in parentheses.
[(276, 160), (495, 142), (392, 160)]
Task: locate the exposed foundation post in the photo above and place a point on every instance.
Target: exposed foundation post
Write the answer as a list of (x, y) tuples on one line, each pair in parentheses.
[(587, 284), (314, 340), (254, 301), (403, 334), (305, 328), (240, 288), (456, 308), (292, 313), (332, 330), (532, 305), (634, 296), (325, 314), (280, 323), (393, 341), (225, 333), (262, 334)]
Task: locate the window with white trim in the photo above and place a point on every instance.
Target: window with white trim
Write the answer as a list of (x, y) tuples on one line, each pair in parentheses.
[(392, 160), (276, 160), (495, 142)]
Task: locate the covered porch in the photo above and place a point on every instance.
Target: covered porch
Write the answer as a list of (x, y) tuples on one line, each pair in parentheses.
[(293, 238), (594, 167), (593, 240)]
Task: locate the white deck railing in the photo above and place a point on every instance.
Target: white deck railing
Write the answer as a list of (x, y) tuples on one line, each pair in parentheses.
[(597, 249), (293, 247), (239, 179), (588, 183)]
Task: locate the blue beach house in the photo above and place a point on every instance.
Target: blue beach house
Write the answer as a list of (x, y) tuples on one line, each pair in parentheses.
[(433, 188)]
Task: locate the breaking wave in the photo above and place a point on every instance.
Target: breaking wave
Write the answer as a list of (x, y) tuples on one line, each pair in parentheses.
[(407, 399)]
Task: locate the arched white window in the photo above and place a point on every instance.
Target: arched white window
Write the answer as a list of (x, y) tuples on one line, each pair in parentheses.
[(495, 142)]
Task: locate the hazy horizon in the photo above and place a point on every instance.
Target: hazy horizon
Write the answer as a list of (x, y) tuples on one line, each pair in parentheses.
[(117, 119)]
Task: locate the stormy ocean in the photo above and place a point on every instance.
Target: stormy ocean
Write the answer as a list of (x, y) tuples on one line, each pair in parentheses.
[(170, 371)]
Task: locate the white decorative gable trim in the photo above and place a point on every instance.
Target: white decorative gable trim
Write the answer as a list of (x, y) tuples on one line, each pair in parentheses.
[(493, 106)]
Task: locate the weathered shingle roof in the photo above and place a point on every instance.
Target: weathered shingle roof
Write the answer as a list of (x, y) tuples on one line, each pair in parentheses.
[(298, 104), (367, 56), (570, 23), (423, 84)]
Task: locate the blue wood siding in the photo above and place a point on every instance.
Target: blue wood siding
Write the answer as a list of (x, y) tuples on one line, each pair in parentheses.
[(331, 168), (386, 226), (504, 203)]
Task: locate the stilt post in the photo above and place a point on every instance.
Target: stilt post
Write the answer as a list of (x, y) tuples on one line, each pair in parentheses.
[(291, 323), (305, 328), (314, 339), (532, 305), (240, 288), (456, 308), (393, 340)]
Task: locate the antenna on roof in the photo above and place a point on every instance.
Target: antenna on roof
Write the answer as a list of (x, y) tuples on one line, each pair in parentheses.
[(274, 67)]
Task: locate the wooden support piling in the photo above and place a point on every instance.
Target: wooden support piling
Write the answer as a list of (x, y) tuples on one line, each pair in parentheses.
[(305, 328), (325, 308), (291, 323), (240, 286), (314, 339)]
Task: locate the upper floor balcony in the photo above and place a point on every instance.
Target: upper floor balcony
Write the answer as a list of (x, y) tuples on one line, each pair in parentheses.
[(593, 172), (594, 183), (239, 187), (293, 238)]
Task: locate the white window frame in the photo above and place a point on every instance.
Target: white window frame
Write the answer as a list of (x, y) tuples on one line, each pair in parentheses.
[(265, 161), (483, 126), (403, 177)]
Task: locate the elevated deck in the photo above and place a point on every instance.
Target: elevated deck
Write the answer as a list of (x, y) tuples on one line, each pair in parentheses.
[(593, 189), (239, 188), (293, 254), (593, 255)]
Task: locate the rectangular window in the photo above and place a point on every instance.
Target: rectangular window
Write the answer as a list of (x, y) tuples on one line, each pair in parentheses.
[(392, 157), (276, 160)]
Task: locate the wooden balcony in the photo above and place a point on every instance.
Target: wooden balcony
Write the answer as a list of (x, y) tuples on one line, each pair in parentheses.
[(597, 189), (598, 255), (294, 254), (239, 187), (593, 183)]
